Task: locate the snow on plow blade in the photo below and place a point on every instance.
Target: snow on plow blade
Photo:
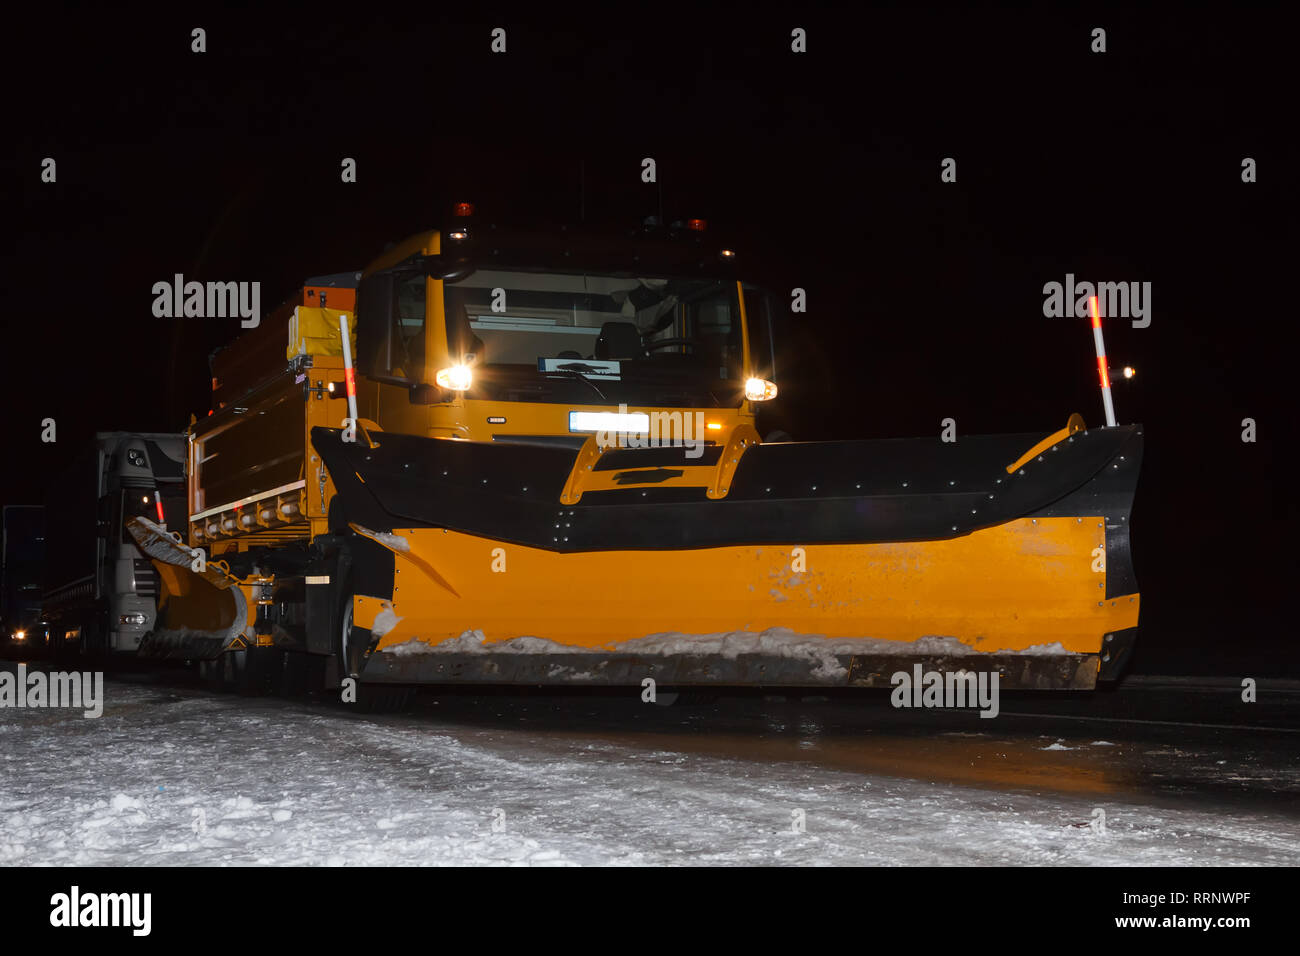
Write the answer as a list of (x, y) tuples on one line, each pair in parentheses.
[(832, 563), (202, 613)]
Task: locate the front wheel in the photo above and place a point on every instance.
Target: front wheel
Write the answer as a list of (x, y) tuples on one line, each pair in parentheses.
[(349, 641), (212, 674), (350, 653), (251, 672)]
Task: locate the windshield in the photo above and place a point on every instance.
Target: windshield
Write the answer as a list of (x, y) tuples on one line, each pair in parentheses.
[(624, 327)]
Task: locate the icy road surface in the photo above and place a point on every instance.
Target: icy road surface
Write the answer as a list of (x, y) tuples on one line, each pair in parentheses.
[(173, 775)]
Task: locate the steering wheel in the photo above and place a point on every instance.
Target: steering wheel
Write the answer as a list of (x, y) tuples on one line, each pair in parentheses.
[(669, 343)]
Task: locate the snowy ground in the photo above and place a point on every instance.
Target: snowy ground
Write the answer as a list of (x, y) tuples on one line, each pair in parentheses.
[(172, 775)]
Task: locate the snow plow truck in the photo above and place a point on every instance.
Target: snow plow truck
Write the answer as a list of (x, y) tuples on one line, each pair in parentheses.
[(527, 457)]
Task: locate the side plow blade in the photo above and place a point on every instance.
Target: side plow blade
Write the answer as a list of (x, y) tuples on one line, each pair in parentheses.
[(201, 613)]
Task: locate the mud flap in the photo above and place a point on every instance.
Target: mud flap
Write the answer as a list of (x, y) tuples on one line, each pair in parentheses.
[(1116, 653)]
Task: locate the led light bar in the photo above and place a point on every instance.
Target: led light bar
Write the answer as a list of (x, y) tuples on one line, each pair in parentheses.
[(638, 422)]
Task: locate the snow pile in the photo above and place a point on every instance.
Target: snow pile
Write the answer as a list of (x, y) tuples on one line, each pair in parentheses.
[(475, 642), (1047, 650), (385, 621), (394, 542)]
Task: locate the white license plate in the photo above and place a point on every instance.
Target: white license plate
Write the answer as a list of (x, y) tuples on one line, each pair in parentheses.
[(634, 422)]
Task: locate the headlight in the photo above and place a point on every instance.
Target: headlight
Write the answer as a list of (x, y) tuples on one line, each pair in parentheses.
[(760, 390), (20, 635), (136, 618), (136, 457), (457, 378)]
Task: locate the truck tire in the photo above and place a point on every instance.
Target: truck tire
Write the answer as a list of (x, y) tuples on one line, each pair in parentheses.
[(296, 677), (348, 648), (251, 672), (352, 643), (259, 671), (212, 674), (208, 675)]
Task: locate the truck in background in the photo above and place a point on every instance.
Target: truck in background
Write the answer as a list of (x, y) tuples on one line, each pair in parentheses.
[(22, 559), (100, 591)]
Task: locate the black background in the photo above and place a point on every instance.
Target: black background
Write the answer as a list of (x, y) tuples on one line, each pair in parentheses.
[(924, 298), (1093, 899)]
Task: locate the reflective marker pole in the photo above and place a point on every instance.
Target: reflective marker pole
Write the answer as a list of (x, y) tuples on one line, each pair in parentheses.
[(1101, 362), (349, 375)]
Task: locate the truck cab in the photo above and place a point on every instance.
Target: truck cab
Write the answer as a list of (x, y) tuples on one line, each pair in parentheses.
[(100, 590), (475, 333)]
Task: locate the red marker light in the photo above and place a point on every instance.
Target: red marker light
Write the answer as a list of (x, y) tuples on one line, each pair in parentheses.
[(696, 225), (463, 209)]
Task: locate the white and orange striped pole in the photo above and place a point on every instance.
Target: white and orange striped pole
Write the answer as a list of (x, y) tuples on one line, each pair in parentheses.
[(349, 373), (1101, 361)]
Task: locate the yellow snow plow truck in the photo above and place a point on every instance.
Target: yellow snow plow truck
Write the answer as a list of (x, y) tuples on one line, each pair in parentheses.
[(525, 458)]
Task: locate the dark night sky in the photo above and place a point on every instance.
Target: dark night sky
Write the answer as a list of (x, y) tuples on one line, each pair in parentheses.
[(925, 299)]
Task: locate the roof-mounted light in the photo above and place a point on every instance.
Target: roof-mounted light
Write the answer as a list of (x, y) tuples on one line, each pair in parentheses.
[(463, 209)]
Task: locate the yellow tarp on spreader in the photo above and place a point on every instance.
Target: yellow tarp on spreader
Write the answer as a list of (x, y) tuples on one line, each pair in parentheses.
[(316, 332)]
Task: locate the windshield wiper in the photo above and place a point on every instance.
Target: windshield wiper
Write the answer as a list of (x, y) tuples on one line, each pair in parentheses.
[(576, 367), (570, 372)]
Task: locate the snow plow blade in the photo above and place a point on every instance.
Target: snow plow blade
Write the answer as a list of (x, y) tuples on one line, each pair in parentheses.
[(202, 613), (832, 563)]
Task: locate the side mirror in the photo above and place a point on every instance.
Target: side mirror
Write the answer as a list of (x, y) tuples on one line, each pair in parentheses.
[(446, 268), (427, 395), (451, 270)]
